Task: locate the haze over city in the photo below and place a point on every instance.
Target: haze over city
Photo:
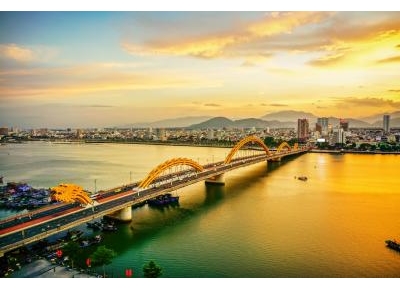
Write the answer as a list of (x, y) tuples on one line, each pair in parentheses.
[(82, 69)]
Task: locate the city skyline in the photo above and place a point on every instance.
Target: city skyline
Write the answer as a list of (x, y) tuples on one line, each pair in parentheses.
[(110, 68)]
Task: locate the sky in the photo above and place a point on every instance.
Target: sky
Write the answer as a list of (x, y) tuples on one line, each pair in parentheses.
[(97, 69)]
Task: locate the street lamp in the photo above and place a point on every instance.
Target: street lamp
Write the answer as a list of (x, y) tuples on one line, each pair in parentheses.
[(95, 186), (130, 176)]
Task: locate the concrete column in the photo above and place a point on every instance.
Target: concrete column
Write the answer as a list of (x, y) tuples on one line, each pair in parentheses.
[(277, 159), (124, 214), (217, 179)]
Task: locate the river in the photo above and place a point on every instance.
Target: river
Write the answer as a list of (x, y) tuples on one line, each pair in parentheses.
[(262, 223)]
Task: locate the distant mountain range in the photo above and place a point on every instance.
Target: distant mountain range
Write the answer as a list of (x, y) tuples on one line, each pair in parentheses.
[(282, 119), (171, 123)]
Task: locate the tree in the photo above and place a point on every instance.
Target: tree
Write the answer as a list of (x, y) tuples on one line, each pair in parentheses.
[(102, 257), (152, 270), (73, 251), (269, 141)]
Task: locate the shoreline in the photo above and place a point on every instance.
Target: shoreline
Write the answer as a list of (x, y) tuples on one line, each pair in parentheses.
[(72, 141), (353, 152)]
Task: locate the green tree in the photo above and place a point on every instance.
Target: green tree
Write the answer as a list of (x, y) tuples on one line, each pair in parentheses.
[(152, 270), (269, 141), (73, 251), (102, 257), (292, 141)]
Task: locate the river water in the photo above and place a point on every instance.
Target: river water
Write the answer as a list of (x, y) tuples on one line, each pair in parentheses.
[(262, 223)]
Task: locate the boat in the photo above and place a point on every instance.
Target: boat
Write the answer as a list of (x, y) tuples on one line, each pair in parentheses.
[(109, 228), (393, 245), (302, 178), (163, 200), (94, 225)]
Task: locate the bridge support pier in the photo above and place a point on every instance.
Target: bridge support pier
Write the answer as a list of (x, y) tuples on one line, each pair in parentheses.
[(124, 214), (217, 179), (277, 159)]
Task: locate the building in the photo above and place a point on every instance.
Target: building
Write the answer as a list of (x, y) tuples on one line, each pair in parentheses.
[(4, 131), (344, 124), (210, 134), (318, 128), (338, 136), (323, 122), (302, 129), (79, 133), (161, 134), (386, 123)]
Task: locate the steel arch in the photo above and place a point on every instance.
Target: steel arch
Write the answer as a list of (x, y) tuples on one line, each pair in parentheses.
[(168, 164), (243, 142), (282, 146), (70, 193)]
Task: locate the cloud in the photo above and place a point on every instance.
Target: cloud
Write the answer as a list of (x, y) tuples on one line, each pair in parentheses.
[(15, 52), (247, 63), (212, 105), (212, 45), (327, 60), (398, 46), (63, 82), (352, 102), (394, 91), (389, 59), (281, 71), (97, 106), (263, 104), (24, 54), (278, 105)]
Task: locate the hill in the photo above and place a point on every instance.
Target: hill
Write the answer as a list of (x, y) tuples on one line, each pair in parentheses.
[(288, 116), (170, 123)]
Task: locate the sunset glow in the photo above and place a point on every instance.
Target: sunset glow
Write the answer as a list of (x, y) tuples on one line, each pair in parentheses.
[(114, 68)]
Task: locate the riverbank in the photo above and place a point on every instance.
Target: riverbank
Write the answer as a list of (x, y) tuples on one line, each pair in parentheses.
[(352, 152), (44, 269)]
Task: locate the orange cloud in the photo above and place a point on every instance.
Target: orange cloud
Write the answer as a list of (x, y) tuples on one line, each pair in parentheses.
[(284, 22), (15, 52), (212, 46), (376, 48), (84, 79), (390, 59)]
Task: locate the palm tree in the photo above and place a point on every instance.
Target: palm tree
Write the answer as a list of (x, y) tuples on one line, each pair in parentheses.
[(152, 270), (103, 256)]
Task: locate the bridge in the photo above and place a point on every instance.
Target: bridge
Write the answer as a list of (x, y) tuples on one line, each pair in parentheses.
[(117, 202)]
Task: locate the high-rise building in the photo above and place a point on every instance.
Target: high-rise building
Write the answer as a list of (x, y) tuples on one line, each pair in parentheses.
[(338, 136), (386, 123), (161, 134), (302, 129), (318, 128), (323, 122), (344, 124)]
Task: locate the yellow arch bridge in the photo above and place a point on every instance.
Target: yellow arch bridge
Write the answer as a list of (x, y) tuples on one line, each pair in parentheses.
[(117, 202)]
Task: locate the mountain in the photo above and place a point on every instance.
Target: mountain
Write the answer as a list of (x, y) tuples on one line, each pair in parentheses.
[(379, 117), (289, 116), (394, 122), (214, 123), (221, 122), (353, 123), (171, 123)]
